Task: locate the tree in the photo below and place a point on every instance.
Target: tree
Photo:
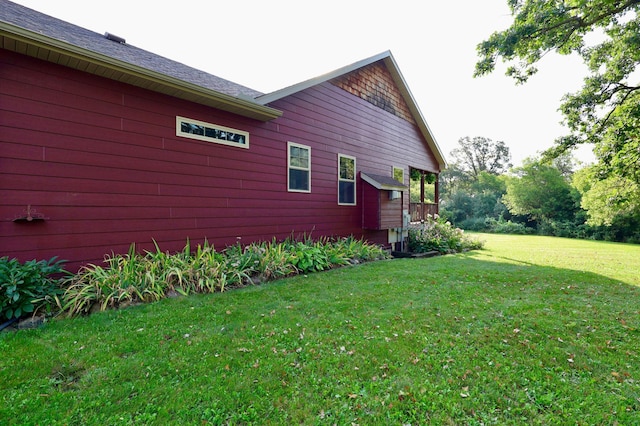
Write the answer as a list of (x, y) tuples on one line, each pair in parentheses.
[(606, 111), (471, 188), (566, 164), (453, 179), (609, 201), (475, 200), (539, 190), (481, 155)]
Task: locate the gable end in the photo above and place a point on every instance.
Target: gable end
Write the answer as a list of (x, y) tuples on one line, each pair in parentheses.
[(375, 85)]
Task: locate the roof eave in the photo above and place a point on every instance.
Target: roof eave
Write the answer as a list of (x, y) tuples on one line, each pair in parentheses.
[(290, 90), (393, 68), (40, 46)]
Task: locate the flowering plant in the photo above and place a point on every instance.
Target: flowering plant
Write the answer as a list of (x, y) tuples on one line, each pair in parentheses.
[(437, 234)]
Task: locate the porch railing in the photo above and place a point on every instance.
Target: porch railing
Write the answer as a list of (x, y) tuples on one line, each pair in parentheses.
[(419, 211)]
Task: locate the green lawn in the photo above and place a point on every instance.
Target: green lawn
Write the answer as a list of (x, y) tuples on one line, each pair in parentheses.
[(531, 330)]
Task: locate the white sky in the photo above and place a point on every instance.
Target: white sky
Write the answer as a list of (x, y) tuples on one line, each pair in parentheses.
[(270, 44)]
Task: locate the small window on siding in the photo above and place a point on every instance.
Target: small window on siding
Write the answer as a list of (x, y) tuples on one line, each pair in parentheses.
[(346, 180), (208, 132), (398, 174), (299, 167)]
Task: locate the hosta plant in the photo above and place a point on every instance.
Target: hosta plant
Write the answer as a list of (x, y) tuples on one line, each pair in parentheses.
[(27, 287)]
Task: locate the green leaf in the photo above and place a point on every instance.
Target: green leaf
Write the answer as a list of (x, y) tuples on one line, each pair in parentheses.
[(604, 33)]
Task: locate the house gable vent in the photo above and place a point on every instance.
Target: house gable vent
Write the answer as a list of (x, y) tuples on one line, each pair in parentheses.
[(115, 38)]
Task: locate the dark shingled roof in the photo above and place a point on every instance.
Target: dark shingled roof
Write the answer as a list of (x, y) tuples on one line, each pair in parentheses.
[(383, 182), (46, 25)]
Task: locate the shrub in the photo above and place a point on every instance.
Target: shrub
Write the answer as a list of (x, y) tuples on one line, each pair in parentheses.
[(435, 234), (28, 287), (479, 224), (509, 227)]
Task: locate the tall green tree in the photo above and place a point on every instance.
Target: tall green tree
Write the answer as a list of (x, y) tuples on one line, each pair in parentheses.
[(479, 199), (610, 201), (540, 191), (606, 111), (452, 179), (481, 154), (473, 185)]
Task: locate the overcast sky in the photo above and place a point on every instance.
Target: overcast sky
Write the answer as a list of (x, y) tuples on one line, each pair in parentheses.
[(268, 45)]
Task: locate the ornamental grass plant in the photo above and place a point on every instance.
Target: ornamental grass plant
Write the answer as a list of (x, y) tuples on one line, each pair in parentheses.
[(135, 277)]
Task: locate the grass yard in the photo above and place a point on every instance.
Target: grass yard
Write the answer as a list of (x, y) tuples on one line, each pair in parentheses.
[(531, 330)]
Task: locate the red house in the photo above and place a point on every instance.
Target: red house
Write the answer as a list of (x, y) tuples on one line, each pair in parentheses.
[(103, 144)]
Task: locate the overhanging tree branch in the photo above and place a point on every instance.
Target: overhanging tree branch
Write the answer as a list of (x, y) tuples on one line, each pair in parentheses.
[(606, 111)]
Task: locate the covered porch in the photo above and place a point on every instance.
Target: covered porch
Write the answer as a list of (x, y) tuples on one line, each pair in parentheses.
[(424, 194)]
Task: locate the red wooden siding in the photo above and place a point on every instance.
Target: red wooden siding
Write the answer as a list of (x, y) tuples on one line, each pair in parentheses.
[(370, 207), (390, 211), (101, 161), (331, 119), (379, 212)]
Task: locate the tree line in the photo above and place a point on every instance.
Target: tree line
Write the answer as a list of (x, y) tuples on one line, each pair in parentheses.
[(550, 194), (482, 191)]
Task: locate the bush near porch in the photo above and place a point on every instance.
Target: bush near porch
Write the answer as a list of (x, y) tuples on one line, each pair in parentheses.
[(437, 234)]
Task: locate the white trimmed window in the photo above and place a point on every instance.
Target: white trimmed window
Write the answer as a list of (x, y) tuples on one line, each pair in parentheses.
[(398, 174), (299, 167), (208, 132), (346, 180)]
